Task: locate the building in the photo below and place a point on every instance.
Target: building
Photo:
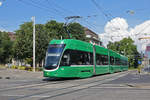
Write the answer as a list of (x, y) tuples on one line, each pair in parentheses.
[(12, 35), (147, 54), (93, 37), (147, 51)]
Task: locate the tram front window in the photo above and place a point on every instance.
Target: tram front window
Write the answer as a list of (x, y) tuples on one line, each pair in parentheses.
[(53, 55)]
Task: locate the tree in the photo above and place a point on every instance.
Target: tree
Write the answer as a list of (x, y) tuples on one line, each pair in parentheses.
[(23, 47), (126, 47), (5, 48), (57, 30), (24, 40), (42, 41), (77, 31), (44, 33)]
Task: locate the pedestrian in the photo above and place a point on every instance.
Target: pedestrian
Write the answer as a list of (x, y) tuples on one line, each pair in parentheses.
[(139, 69)]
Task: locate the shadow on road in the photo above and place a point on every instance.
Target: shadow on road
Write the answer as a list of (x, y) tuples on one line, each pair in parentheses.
[(59, 79)]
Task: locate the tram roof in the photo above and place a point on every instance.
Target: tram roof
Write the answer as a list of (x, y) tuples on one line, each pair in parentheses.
[(81, 45)]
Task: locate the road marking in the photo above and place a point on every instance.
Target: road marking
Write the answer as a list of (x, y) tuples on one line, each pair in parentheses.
[(68, 91), (41, 96), (23, 86)]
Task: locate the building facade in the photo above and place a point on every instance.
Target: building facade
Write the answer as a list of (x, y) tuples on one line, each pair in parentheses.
[(93, 37), (12, 35)]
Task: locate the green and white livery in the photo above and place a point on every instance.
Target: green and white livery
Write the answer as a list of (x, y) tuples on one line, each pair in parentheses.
[(74, 58)]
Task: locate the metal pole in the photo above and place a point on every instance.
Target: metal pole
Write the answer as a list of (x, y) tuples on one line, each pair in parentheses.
[(33, 19)]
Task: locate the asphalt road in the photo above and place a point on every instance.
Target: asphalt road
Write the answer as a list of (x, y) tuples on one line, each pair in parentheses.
[(22, 85)]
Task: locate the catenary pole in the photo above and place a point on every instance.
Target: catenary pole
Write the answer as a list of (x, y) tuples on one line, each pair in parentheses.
[(33, 19)]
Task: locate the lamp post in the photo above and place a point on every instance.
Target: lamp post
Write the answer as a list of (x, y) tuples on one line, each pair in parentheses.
[(33, 20)]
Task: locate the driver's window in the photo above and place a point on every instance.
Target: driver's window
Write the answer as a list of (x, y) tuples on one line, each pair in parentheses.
[(65, 61)]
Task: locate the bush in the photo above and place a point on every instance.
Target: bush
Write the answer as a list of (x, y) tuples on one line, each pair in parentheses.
[(2, 66), (21, 67), (28, 68), (39, 69), (14, 67)]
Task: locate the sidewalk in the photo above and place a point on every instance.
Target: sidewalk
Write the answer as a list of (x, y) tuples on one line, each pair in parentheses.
[(19, 74)]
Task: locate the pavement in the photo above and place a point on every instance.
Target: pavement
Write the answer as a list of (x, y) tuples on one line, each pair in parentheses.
[(18, 74), (23, 85), (147, 69)]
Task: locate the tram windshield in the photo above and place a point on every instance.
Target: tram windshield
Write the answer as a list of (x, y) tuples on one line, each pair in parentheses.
[(53, 55)]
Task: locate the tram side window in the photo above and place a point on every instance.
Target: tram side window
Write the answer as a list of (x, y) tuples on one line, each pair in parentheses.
[(101, 59), (123, 62), (65, 61), (76, 57), (79, 58), (91, 58), (98, 59), (105, 59), (112, 60), (117, 60), (126, 63)]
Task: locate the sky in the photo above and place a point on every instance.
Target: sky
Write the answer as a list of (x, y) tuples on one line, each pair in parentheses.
[(104, 17), (16, 12), (118, 28)]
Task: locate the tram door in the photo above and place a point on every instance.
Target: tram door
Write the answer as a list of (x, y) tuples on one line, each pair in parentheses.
[(94, 60)]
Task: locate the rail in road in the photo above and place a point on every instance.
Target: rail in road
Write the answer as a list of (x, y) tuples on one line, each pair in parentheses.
[(60, 88)]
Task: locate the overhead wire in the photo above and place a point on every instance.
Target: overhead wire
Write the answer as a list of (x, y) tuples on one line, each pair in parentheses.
[(59, 7), (108, 16), (68, 11), (51, 12), (54, 11), (47, 7)]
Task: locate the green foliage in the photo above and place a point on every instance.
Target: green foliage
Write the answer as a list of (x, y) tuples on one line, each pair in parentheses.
[(126, 47), (77, 31), (5, 48), (44, 33), (14, 67), (23, 44), (23, 47), (27, 68), (28, 61), (42, 40), (55, 30)]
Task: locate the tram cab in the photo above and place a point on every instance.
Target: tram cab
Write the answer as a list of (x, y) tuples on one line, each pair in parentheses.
[(53, 56)]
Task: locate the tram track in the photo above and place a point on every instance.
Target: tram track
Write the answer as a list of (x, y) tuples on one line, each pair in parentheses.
[(74, 88), (31, 84)]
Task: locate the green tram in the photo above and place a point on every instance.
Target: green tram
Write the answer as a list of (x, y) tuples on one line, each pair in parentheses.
[(74, 58)]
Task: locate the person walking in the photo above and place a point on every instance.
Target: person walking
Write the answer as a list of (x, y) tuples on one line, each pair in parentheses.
[(139, 69)]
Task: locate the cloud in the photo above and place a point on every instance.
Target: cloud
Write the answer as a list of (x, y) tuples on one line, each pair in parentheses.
[(115, 30), (116, 25), (139, 31), (118, 28), (0, 3), (2, 30)]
